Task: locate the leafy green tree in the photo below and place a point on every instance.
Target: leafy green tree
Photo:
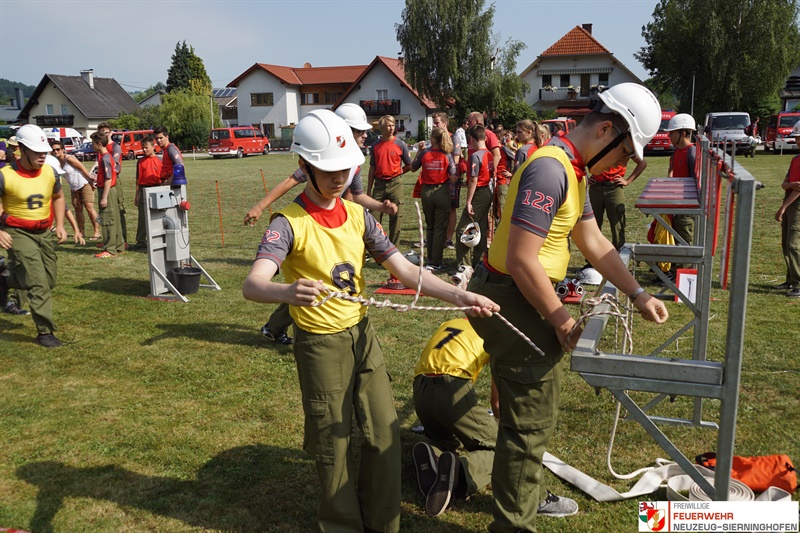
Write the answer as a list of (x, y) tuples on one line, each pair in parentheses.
[(452, 57), (186, 115), (147, 92), (740, 52)]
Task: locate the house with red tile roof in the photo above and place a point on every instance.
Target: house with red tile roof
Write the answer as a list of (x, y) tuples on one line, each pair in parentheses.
[(563, 76), (273, 96), (381, 89)]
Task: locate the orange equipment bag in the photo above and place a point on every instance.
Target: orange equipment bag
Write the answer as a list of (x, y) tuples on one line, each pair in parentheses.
[(760, 472)]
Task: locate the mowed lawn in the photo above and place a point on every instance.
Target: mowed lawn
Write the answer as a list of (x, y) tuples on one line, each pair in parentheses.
[(162, 416)]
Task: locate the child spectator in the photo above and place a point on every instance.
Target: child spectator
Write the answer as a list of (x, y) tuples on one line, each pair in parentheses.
[(319, 241), (148, 174), (479, 197), (110, 225)]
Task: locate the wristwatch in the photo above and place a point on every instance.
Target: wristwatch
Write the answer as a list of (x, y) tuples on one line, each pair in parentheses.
[(635, 294)]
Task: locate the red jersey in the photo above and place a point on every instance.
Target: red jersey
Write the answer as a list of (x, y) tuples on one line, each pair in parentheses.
[(683, 162), (481, 165), (793, 175), (105, 170), (611, 173), (436, 165), (148, 171), (167, 162), (389, 157)]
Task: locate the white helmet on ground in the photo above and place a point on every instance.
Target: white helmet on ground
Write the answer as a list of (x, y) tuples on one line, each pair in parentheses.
[(354, 116), (640, 109), (326, 142), (471, 236), (33, 138), (590, 276), (681, 121)]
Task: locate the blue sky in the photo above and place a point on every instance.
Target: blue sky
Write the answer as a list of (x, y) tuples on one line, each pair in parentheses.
[(61, 37)]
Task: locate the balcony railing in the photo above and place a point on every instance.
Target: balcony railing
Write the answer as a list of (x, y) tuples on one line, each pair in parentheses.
[(562, 93), (55, 120), (380, 107)]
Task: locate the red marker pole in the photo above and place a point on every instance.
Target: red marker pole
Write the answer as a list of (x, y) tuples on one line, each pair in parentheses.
[(219, 206)]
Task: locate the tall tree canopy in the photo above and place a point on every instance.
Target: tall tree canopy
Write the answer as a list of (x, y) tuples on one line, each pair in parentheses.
[(740, 51), (452, 57), (187, 71)]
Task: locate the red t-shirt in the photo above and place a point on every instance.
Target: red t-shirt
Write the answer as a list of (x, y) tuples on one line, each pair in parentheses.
[(435, 166), (481, 164), (389, 157), (610, 174), (681, 166), (106, 161), (148, 171)]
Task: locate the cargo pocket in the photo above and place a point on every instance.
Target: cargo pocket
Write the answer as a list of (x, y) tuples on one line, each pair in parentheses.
[(528, 396), (317, 438)]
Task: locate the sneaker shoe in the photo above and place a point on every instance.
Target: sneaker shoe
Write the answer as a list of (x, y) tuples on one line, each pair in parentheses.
[(785, 286), (425, 463), (448, 245), (103, 255), (48, 340), (794, 293), (441, 493), (13, 309), (557, 506), (430, 267), (281, 338), (419, 244)]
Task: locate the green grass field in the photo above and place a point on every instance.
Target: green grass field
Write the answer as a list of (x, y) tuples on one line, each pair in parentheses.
[(164, 416)]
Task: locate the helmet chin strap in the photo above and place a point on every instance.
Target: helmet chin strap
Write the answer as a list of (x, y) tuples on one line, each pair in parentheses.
[(311, 177), (610, 146)]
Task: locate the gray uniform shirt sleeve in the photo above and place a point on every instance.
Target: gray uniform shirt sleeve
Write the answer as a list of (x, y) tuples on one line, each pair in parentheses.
[(357, 185), (174, 154), (375, 240), (277, 242), (542, 190)]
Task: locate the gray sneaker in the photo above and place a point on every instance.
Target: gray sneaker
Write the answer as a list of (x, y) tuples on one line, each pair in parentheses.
[(13, 309), (557, 506)]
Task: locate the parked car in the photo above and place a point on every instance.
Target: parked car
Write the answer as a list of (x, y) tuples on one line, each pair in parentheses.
[(728, 126), (779, 131), (237, 141), (85, 152), (131, 142), (560, 126), (660, 142)]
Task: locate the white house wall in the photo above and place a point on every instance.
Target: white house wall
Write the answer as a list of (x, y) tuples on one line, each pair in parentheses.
[(284, 99), (617, 75), (53, 96), (380, 78)]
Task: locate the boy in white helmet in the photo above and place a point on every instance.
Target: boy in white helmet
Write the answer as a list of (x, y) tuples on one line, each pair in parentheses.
[(547, 204), (279, 321), (31, 197), (319, 241)]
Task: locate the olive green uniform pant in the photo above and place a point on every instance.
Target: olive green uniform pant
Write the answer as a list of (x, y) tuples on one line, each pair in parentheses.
[(121, 207), (436, 207), (110, 226), (481, 204), (608, 200), (529, 386), (141, 227), (389, 190), (454, 421), (502, 194), (790, 243), (280, 320), (341, 375), (32, 267), (683, 226)]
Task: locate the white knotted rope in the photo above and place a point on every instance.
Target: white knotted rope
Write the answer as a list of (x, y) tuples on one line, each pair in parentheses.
[(372, 302)]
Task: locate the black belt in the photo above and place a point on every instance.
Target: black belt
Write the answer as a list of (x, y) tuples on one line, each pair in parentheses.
[(607, 184), (484, 274), (387, 179)]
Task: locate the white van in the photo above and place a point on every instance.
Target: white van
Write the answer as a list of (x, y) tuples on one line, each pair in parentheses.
[(728, 126), (69, 137)]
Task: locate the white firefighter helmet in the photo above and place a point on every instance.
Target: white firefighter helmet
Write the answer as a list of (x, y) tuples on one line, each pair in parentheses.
[(326, 142), (590, 276), (640, 109), (33, 138), (354, 116), (681, 121), (471, 236)]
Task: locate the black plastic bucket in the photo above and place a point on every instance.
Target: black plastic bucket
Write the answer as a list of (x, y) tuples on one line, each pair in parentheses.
[(186, 279)]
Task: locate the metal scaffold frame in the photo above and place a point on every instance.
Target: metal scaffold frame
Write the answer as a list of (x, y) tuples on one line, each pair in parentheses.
[(696, 377)]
